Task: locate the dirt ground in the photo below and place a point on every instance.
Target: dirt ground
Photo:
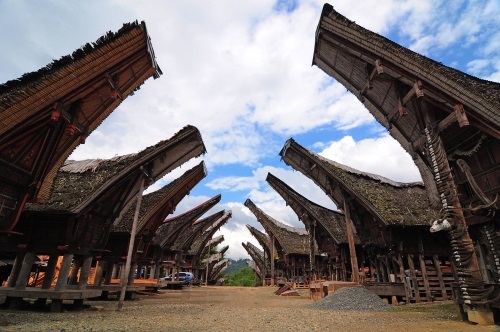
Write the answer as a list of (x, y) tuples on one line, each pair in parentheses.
[(232, 309)]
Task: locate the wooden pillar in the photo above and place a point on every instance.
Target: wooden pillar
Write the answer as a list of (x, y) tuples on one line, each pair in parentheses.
[(84, 273), (50, 271), (131, 274), (115, 271), (352, 246), (73, 276), (24, 273), (62, 279), (343, 266), (99, 271), (423, 268), (383, 271), (425, 278), (273, 254), (439, 273), (16, 268), (414, 278), (110, 272), (403, 278)]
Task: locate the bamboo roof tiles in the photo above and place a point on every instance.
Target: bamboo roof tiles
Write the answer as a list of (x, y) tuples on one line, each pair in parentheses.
[(167, 234), (292, 240), (309, 212), (78, 184), (205, 238), (186, 238), (390, 202), (262, 238), (44, 115), (348, 52), (157, 205)]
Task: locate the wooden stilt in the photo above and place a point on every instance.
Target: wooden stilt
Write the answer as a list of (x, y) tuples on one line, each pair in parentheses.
[(62, 278), (84, 273), (24, 273), (439, 273), (16, 268), (73, 276), (414, 278), (99, 271)]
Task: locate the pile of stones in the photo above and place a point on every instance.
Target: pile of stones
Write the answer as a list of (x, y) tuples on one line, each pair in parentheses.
[(352, 299)]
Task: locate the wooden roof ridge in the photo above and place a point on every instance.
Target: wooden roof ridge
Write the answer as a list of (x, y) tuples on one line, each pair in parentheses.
[(291, 239), (162, 202), (219, 268), (75, 189), (275, 223), (224, 249), (389, 204), (213, 242), (172, 227), (255, 253), (186, 238), (261, 237), (257, 256), (477, 94), (79, 54), (199, 243), (331, 221)]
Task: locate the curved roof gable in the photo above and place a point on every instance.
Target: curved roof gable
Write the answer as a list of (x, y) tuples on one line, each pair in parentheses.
[(331, 221), (167, 233), (391, 203), (44, 115), (199, 244), (82, 184), (186, 238), (292, 240), (262, 238), (156, 206), (382, 74)]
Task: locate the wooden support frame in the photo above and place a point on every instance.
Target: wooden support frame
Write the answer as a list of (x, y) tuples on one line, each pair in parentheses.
[(414, 278)]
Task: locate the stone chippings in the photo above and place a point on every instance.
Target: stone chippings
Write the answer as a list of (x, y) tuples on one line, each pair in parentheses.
[(352, 299)]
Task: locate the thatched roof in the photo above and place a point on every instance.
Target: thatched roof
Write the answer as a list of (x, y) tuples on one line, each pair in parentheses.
[(218, 269), (310, 213), (167, 233), (156, 206), (80, 83), (292, 240), (391, 203), (196, 229), (257, 256), (347, 51), (262, 238), (205, 238), (81, 184)]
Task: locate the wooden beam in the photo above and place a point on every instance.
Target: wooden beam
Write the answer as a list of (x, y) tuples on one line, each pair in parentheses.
[(439, 273), (352, 247), (414, 278), (416, 91), (445, 123)]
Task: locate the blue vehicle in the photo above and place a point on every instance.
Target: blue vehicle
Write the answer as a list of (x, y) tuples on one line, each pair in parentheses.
[(187, 277)]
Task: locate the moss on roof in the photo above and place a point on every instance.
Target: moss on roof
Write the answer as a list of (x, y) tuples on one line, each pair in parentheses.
[(78, 182), (398, 204), (332, 222), (171, 228), (292, 240)]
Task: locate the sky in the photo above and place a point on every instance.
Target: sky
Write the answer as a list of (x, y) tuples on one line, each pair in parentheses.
[(240, 71)]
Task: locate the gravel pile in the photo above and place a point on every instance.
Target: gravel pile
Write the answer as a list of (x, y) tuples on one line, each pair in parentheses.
[(352, 299)]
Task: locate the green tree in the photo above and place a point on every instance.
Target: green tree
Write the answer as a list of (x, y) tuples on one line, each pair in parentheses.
[(242, 277)]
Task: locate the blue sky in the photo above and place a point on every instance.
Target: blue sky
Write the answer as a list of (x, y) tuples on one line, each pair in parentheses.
[(240, 71)]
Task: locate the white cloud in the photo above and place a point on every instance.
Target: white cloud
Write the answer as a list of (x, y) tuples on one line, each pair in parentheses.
[(382, 155)]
